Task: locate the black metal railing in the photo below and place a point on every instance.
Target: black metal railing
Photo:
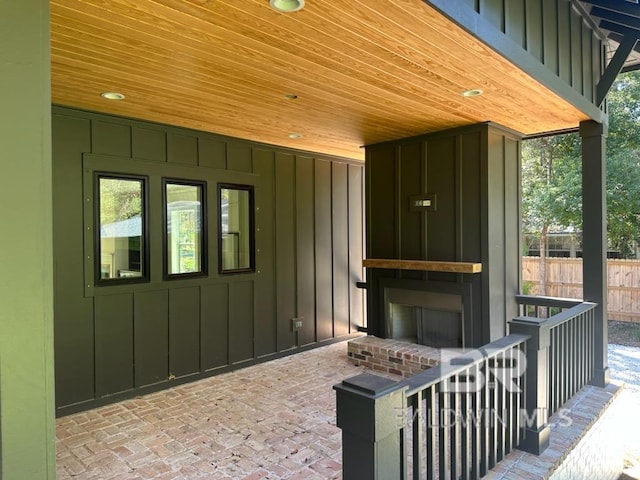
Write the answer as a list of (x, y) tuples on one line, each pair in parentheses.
[(453, 421)]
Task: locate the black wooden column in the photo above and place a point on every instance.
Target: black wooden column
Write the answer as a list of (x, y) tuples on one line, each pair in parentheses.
[(594, 238), (371, 411), (537, 429)]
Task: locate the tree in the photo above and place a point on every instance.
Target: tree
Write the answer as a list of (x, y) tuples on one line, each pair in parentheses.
[(623, 163), (120, 199), (623, 200), (551, 175), (551, 189)]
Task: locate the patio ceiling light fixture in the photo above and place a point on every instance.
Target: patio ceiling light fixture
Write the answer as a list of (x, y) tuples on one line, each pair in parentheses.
[(295, 135), (474, 92), (112, 95), (287, 6)]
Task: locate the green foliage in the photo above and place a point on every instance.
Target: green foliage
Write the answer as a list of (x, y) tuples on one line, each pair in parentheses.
[(624, 114), (120, 199), (551, 173), (623, 163), (623, 200), (551, 183), (527, 287)]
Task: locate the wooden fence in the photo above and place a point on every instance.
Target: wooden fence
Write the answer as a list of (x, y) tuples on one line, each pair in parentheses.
[(564, 279)]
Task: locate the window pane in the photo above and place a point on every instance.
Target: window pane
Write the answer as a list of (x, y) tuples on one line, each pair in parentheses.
[(236, 220), (184, 228), (121, 228)]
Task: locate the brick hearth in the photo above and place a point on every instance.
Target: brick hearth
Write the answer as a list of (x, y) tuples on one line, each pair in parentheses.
[(392, 356)]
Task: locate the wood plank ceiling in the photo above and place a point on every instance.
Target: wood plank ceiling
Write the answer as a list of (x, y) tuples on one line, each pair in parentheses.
[(363, 71)]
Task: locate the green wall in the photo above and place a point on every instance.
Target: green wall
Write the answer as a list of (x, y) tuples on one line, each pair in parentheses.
[(27, 448), (113, 342), (549, 40), (474, 172)]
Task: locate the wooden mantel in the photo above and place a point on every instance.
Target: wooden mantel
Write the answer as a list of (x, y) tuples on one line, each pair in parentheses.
[(425, 265)]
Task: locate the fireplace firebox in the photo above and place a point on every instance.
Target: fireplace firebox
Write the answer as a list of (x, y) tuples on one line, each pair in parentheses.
[(435, 314)]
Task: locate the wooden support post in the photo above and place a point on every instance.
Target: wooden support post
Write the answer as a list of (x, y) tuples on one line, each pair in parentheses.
[(371, 412), (594, 239), (536, 423)]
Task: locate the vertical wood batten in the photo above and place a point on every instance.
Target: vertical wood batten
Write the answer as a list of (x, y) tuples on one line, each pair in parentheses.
[(74, 328), (285, 249), (515, 22), (340, 247), (230, 320), (305, 251), (184, 331), (576, 52), (534, 29), (550, 35), (215, 326), (564, 40), (151, 337), (241, 321), (323, 251), (356, 251), (266, 328), (114, 343)]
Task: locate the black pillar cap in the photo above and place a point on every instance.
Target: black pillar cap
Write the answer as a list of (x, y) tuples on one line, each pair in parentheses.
[(369, 384)]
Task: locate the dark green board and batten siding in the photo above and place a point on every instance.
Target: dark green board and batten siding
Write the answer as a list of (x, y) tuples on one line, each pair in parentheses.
[(548, 39), (474, 172), (115, 342)]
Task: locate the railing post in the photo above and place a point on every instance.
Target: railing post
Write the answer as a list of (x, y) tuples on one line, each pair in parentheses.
[(536, 423), (371, 411)]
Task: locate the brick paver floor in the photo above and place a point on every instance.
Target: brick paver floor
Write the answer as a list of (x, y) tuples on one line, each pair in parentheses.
[(275, 420), (269, 421)]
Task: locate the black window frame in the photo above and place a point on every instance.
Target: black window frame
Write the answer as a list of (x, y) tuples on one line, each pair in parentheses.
[(203, 228), (252, 230), (145, 270)]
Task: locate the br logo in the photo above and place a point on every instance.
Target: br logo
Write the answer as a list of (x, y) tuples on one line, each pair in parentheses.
[(482, 368)]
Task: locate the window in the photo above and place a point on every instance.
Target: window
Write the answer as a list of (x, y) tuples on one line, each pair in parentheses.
[(235, 230), (121, 234), (185, 228)]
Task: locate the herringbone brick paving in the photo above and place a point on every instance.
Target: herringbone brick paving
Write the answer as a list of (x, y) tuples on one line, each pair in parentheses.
[(269, 421)]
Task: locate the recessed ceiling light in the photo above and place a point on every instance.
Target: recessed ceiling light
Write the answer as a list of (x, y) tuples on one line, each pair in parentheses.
[(291, 96), (287, 6), (475, 92), (112, 95), (295, 135)]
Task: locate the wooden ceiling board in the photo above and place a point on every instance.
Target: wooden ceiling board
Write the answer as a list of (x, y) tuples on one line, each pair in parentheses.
[(365, 71)]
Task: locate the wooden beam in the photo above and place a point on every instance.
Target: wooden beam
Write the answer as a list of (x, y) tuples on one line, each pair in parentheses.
[(620, 6), (621, 19), (424, 265), (614, 67)]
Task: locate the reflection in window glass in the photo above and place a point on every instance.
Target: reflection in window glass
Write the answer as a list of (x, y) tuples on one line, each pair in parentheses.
[(236, 228), (184, 228), (121, 219)]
